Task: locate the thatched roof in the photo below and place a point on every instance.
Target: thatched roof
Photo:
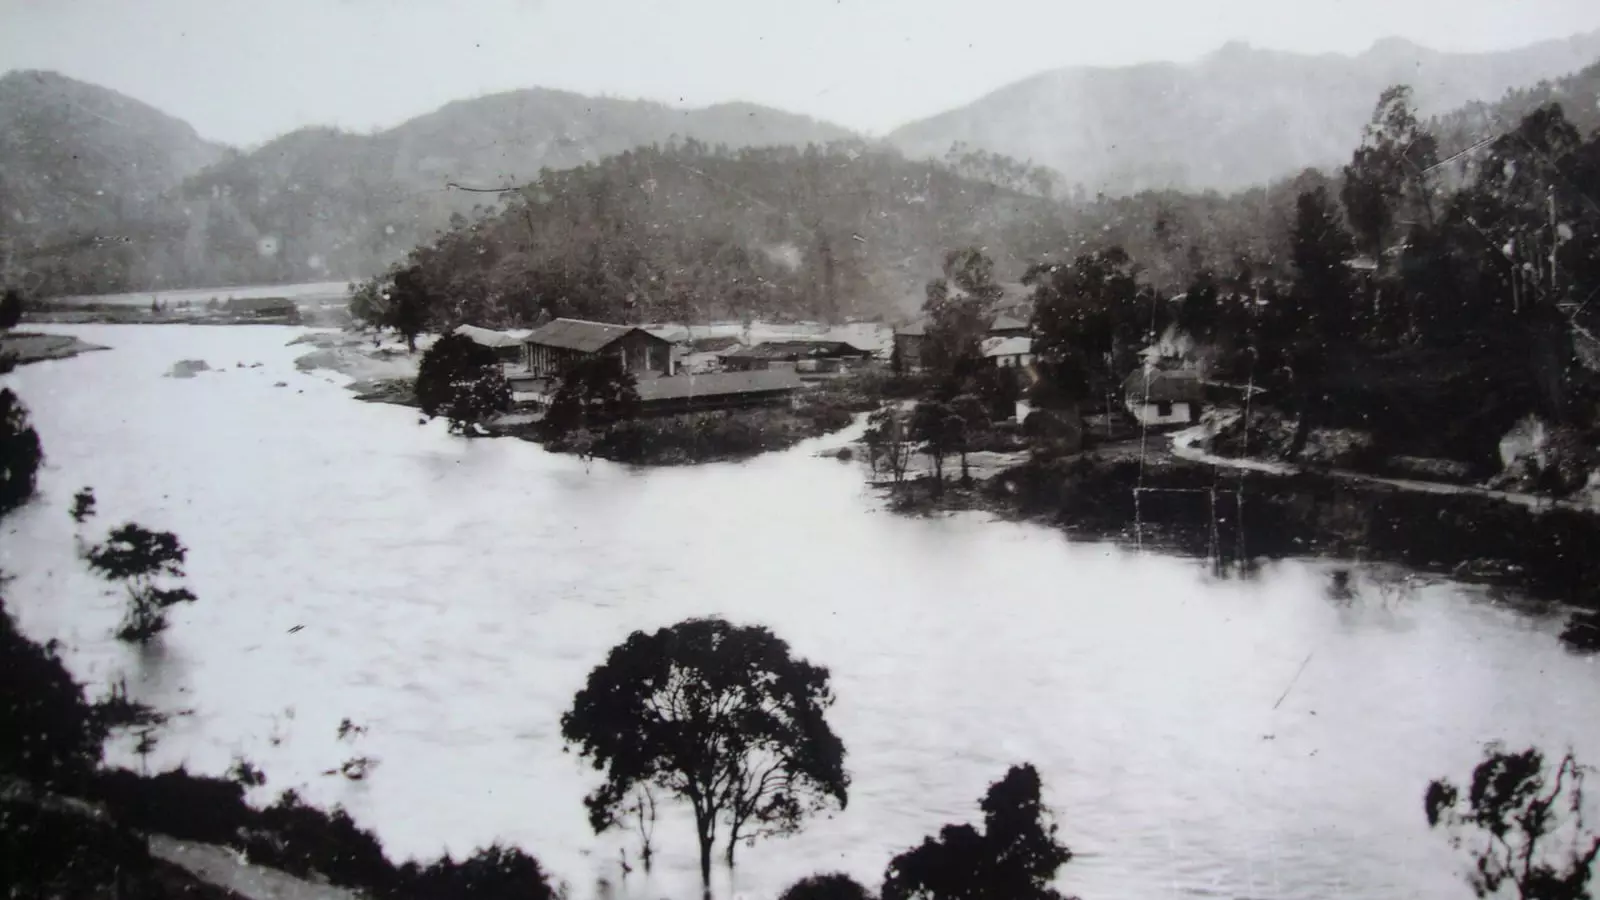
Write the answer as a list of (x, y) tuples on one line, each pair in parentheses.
[(1163, 386)]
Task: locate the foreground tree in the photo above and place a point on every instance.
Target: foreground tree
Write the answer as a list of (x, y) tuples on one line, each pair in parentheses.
[(140, 559), (1384, 182), (1014, 858), (1088, 320), (593, 392), (10, 309), (718, 715), (461, 380), (887, 441), (408, 307), (49, 734), (942, 432), (20, 453), (1522, 824), (958, 307)]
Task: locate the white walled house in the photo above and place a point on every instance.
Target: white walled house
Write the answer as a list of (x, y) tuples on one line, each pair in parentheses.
[(1163, 397), (1008, 352)]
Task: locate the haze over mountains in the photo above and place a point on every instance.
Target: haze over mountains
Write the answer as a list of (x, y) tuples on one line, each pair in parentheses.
[(99, 192), (1238, 117)]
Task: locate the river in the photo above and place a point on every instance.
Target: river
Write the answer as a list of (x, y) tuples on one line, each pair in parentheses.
[(451, 595)]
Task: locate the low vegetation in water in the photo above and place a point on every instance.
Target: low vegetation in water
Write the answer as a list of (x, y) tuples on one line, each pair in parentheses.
[(705, 436)]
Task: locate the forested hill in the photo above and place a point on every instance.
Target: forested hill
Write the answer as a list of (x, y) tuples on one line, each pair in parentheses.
[(695, 232), (1238, 117), (78, 161), (1577, 93), (315, 204)]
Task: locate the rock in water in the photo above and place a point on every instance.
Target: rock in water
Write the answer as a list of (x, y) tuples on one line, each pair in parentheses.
[(188, 368)]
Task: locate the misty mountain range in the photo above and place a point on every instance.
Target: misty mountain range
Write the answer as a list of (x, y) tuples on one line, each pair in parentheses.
[(99, 192)]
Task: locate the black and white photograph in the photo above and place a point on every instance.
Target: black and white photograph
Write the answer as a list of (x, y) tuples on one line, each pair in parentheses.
[(799, 450)]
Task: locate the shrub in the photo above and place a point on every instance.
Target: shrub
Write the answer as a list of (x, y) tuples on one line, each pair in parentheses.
[(49, 734), (461, 380), (834, 886), (493, 873), (20, 453)]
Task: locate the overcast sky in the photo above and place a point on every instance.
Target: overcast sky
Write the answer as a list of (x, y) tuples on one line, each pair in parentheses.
[(243, 72)]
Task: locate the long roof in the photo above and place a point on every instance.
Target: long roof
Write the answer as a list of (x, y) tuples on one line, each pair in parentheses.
[(718, 383), (1163, 386), (794, 350), (582, 335), (1004, 322), (488, 337)]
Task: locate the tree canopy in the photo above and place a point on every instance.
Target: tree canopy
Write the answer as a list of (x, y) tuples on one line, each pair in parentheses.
[(461, 380), (720, 716), (594, 391), (1525, 823), (140, 558), (1015, 857), (20, 453)]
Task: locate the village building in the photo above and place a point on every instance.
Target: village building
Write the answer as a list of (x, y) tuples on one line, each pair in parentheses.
[(1008, 352), (718, 390), (507, 347), (797, 355), (908, 343), (1163, 397), (551, 348), (274, 310), (1006, 326)]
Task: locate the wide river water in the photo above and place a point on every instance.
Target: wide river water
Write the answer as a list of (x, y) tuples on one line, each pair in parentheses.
[(451, 595)]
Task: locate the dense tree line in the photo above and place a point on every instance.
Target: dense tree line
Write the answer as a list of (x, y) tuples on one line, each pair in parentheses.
[(1432, 312), (691, 232)]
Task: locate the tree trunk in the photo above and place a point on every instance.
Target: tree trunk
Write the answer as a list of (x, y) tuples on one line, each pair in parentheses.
[(411, 342), (966, 476), (703, 831)]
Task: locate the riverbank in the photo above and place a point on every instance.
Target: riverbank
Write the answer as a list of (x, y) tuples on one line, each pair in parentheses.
[(24, 347), (1238, 517)]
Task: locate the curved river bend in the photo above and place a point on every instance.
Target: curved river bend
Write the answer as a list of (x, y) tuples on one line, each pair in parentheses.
[(455, 593)]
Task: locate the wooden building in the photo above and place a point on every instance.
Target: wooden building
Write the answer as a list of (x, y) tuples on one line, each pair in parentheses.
[(908, 343), (1163, 397), (559, 343), (720, 390), (506, 347), (804, 356)]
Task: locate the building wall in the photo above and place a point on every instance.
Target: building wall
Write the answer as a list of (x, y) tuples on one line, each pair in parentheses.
[(643, 354), (639, 353), (1179, 413), (910, 347), (1013, 360)]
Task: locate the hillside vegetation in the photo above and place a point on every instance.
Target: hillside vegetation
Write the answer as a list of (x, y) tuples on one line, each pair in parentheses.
[(102, 208), (80, 165), (691, 232)]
